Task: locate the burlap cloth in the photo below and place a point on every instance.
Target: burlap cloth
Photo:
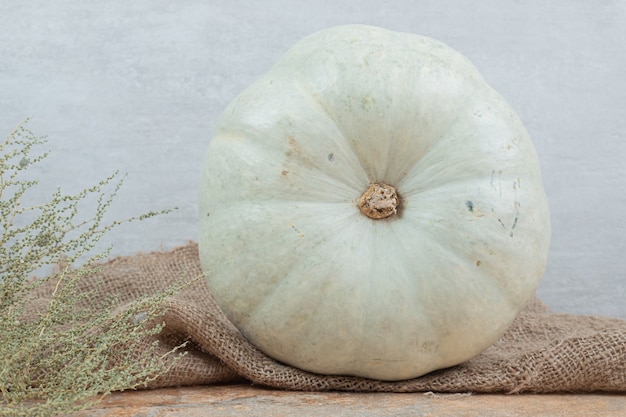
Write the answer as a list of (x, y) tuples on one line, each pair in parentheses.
[(542, 352)]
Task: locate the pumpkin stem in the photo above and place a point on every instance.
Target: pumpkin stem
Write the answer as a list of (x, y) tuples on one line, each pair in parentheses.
[(379, 201)]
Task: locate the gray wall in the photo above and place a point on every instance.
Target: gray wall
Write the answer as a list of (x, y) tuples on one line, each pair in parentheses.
[(139, 85)]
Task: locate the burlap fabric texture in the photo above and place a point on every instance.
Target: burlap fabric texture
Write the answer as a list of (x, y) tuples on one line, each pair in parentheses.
[(542, 352)]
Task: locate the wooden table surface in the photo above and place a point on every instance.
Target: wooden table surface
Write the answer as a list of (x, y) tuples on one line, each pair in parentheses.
[(248, 400)]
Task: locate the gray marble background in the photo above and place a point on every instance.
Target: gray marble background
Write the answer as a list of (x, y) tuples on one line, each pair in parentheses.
[(139, 85)]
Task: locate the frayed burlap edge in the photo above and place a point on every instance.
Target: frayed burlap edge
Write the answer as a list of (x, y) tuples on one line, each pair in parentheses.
[(542, 352)]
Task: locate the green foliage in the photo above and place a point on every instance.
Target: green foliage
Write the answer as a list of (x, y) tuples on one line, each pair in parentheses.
[(59, 357)]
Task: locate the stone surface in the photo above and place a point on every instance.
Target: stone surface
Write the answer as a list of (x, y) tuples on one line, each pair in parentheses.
[(139, 86), (247, 400)]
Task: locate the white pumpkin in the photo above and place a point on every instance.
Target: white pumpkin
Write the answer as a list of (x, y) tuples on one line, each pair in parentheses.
[(372, 207)]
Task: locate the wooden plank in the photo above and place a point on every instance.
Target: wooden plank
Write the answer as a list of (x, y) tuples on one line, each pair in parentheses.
[(248, 400)]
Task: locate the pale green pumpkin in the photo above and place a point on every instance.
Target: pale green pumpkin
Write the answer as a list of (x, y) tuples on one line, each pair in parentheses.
[(458, 235)]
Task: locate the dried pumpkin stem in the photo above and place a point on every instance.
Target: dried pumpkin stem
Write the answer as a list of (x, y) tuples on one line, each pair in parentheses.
[(379, 201)]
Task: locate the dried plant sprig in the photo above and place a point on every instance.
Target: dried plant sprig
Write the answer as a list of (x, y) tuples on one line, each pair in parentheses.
[(65, 355)]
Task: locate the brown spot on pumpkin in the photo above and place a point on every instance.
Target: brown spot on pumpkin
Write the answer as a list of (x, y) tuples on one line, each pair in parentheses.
[(284, 172), (295, 229), (429, 346), (295, 153), (294, 148)]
